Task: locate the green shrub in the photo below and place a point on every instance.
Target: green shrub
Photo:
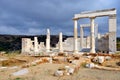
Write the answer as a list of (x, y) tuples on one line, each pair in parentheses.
[(18, 78)]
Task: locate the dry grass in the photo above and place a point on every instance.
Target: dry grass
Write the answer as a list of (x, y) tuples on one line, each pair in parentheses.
[(12, 62), (45, 71)]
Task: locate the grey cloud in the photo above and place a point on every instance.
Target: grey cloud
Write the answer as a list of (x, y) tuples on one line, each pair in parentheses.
[(34, 16), (8, 29)]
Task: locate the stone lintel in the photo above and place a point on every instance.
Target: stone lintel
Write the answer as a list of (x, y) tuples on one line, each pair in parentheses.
[(87, 12), (87, 25), (75, 19), (99, 13)]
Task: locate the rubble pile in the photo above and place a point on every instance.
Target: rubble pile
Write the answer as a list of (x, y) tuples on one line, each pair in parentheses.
[(67, 70)]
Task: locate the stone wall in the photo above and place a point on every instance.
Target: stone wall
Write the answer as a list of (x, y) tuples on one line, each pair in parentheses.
[(29, 46), (102, 44), (68, 44)]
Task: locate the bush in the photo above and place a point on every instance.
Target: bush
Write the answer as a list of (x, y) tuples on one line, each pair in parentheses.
[(18, 78)]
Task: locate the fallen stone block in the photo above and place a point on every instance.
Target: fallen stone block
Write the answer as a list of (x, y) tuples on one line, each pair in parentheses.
[(3, 67), (67, 67), (108, 58), (14, 67), (37, 61), (20, 72), (71, 70), (76, 62), (88, 57), (101, 59), (95, 59), (90, 65), (58, 73), (60, 59), (2, 59), (67, 74), (107, 68), (33, 63)]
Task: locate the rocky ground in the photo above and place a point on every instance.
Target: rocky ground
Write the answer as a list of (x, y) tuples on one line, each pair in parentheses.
[(45, 71)]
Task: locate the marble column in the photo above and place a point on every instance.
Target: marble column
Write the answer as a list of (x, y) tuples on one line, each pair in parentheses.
[(60, 42), (48, 41), (112, 33), (96, 36), (75, 37), (92, 50), (35, 45), (81, 37), (88, 42)]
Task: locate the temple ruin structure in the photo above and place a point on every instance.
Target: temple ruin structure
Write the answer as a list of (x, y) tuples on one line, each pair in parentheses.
[(111, 13), (82, 26), (102, 44), (32, 47), (93, 43)]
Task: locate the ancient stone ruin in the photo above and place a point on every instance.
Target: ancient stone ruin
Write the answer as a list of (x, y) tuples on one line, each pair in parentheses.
[(111, 13), (93, 43), (69, 55), (33, 47)]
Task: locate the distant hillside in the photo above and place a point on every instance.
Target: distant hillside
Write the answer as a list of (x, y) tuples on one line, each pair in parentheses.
[(13, 42), (118, 43)]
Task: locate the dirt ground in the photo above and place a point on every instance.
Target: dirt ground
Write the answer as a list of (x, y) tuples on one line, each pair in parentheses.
[(45, 71)]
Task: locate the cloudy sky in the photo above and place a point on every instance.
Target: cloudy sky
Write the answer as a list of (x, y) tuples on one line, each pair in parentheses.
[(33, 17)]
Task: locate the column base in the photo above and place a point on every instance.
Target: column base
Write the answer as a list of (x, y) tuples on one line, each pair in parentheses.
[(75, 52), (92, 51), (61, 51), (48, 50)]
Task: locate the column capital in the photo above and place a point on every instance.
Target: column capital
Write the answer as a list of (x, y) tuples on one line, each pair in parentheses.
[(74, 19), (92, 17), (112, 16), (81, 26)]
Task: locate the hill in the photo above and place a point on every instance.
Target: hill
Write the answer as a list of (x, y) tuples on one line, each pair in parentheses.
[(13, 42)]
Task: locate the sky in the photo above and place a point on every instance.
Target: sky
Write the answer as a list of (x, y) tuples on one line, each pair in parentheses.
[(33, 17)]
